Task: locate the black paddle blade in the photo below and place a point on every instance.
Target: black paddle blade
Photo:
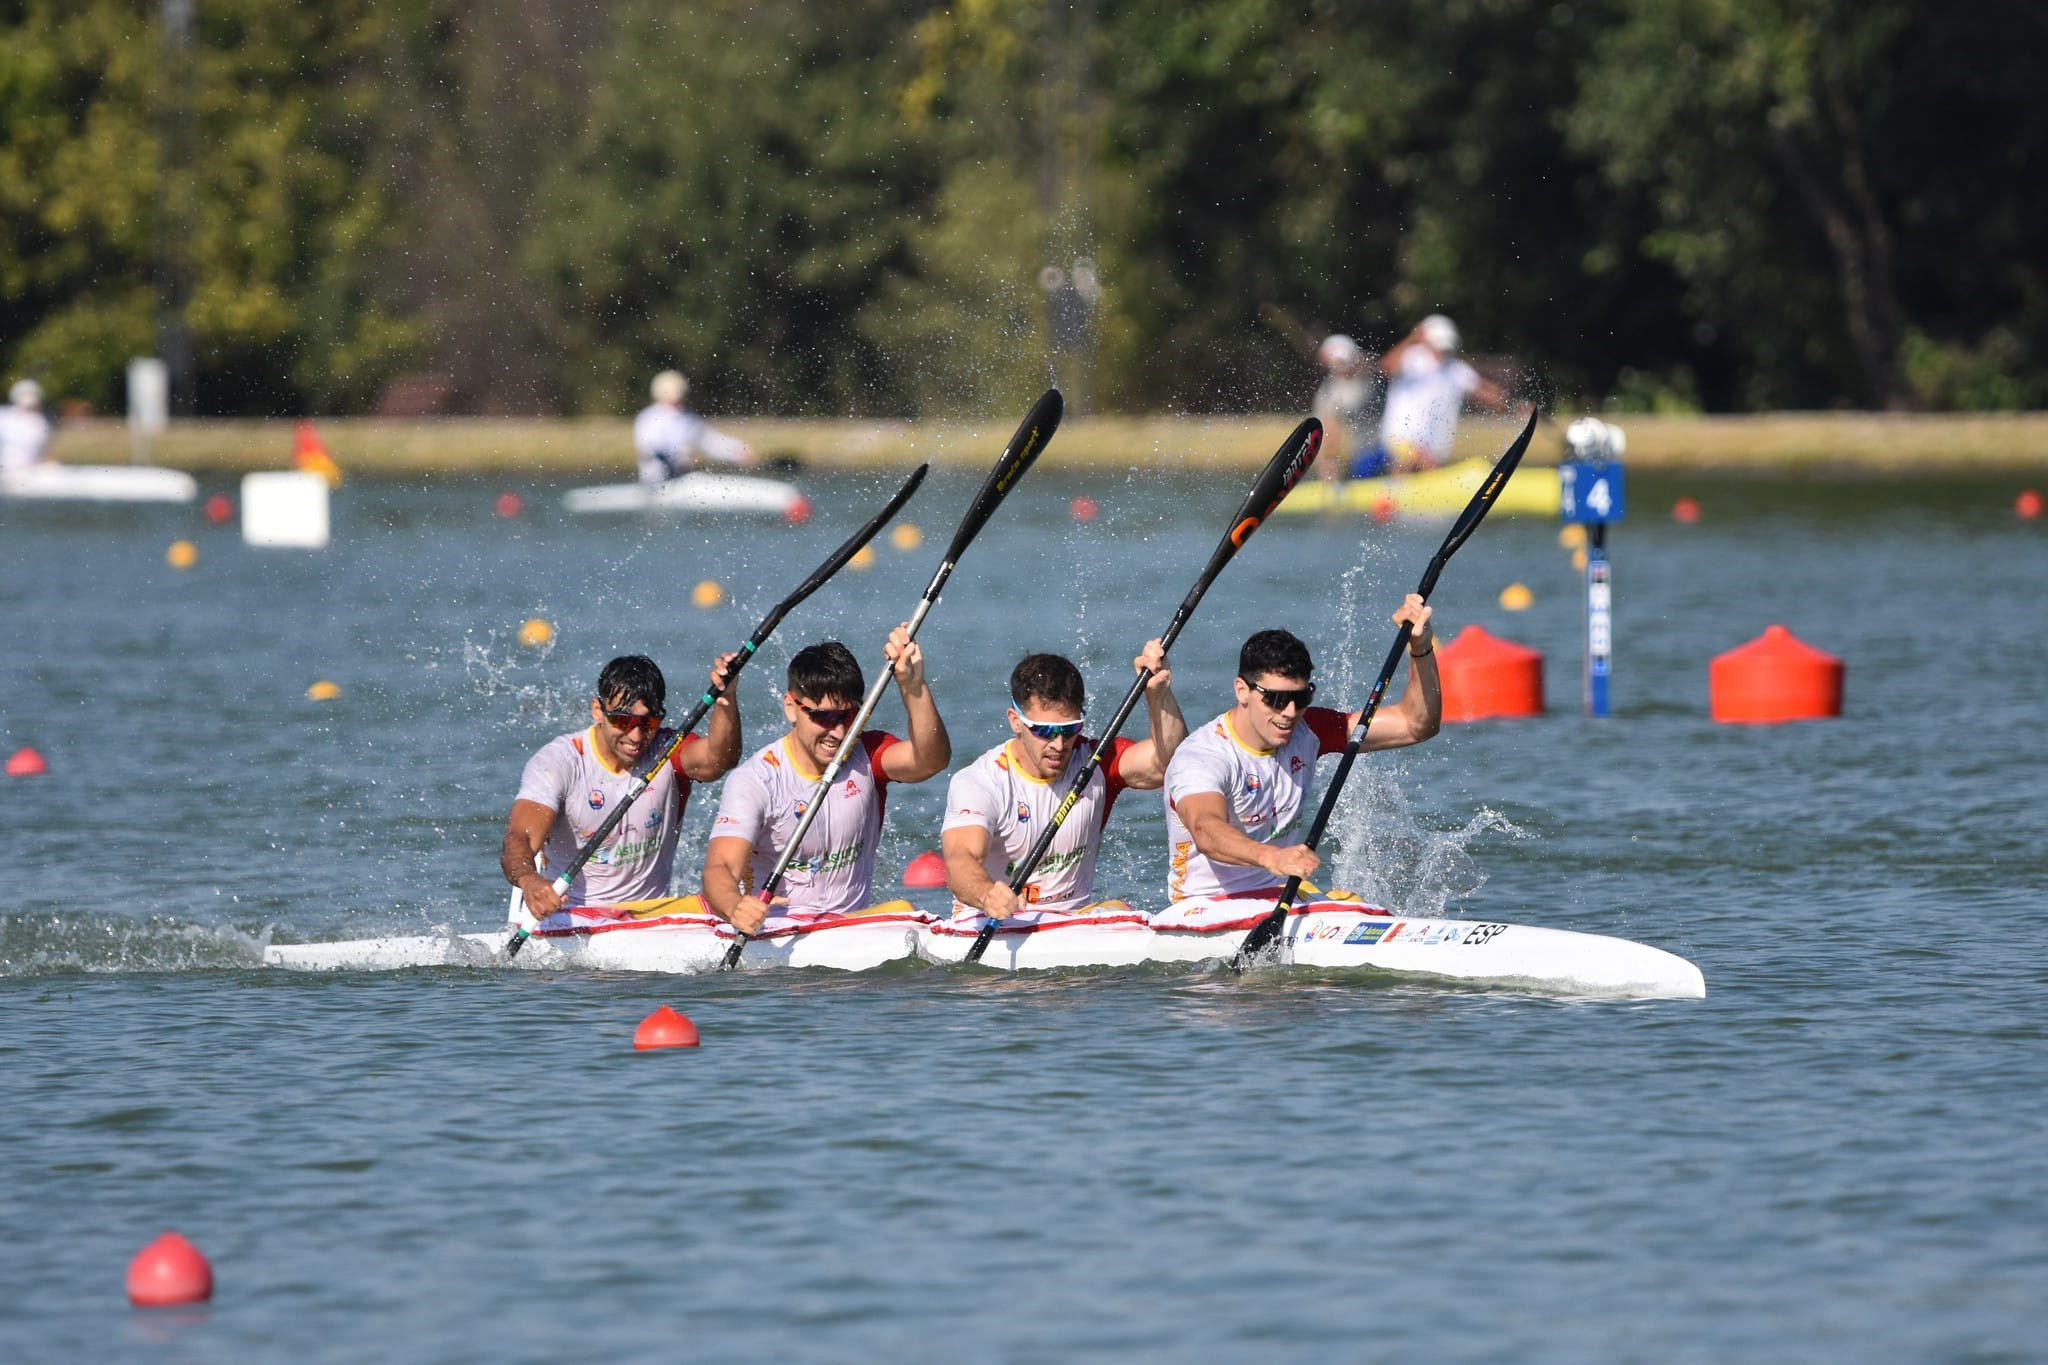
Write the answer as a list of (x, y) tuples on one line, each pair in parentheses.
[(861, 537), (1277, 480), (1482, 503), (1023, 450)]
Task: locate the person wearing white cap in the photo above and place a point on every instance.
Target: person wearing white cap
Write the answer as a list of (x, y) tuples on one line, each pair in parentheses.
[(24, 431), (671, 440), (1345, 402), (1427, 386)]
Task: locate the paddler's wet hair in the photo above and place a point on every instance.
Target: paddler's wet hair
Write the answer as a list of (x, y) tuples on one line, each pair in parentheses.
[(826, 672), (630, 678), (1274, 651), (1050, 678)]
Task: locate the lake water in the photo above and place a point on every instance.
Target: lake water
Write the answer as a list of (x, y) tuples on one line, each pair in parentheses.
[(1840, 1153)]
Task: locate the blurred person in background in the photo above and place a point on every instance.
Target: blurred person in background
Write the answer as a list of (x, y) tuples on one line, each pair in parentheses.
[(24, 431), (1427, 387), (671, 440), (1345, 403)]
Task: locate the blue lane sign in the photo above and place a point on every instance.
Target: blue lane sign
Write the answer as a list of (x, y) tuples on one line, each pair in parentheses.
[(1589, 491)]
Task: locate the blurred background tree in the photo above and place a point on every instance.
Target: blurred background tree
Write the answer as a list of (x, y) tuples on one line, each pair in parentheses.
[(895, 208)]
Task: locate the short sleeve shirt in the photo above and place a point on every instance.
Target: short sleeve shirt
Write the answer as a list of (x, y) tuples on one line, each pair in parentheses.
[(834, 868), (1263, 790), (637, 859), (996, 794)]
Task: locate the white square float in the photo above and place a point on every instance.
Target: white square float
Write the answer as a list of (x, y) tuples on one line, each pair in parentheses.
[(285, 508)]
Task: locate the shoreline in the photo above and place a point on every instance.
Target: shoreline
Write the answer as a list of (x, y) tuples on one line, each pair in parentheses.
[(600, 448)]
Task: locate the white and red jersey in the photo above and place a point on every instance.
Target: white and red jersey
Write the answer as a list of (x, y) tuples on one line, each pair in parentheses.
[(1263, 789), (995, 793), (834, 867), (637, 858)]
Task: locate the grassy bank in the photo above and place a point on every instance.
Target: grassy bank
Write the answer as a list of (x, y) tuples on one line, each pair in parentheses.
[(600, 448)]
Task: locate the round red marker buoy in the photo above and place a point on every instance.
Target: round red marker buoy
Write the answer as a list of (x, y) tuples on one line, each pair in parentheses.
[(1485, 676), (926, 869), (219, 508), (510, 504), (2028, 505), (665, 1028), (798, 512), (1775, 677), (26, 762), (1685, 511), (169, 1271), (1084, 508), (1383, 510)]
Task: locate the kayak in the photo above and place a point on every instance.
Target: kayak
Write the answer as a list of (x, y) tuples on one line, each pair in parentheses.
[(678, 936), (98, 483), (697, 491), (1440, 492)]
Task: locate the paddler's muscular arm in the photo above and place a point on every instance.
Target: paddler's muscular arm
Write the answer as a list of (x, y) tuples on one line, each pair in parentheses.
[(1144, 765), (1420, 712), (725, 867), (930, 749), (713, 757), (966, 851), (525, 832), (1208, 822)]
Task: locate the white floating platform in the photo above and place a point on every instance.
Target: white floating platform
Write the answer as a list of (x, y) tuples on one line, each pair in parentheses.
[(98, 483), (699, 491)]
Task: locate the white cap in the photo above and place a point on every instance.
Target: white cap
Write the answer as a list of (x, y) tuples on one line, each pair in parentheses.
[(1440, 332), (669, 387), (26, 393), (1616, 442), (1586, 437), (1339, 352)]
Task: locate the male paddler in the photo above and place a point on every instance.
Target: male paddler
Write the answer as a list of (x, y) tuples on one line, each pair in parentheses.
[(764, 799), (1236, 787), (997, 806), (571, 784)]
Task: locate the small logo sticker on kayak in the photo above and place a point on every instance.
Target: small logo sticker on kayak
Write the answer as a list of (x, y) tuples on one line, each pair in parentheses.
[(1366, 933)]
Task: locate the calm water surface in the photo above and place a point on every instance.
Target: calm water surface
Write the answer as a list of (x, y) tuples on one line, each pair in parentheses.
[(1840, 1153)]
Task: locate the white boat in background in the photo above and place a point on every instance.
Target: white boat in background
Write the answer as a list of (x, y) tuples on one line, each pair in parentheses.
[(49, 481), (678, 937), (698, 491)]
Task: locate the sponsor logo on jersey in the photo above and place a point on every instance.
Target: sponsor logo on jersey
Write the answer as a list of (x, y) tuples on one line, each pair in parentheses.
[(1294, 764), (1023, 814), (851, 790), (596, 799), (1251, 784)]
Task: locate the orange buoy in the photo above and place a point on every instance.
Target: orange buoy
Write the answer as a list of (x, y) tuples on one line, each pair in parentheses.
[(510, 504), (2027, 505), (926, 869), (1485, 676), (219, 508), (665, 1028), (26, 762), (1685, 511), (798, 512), (169, 1271), (1084, 508), (1774, 677)]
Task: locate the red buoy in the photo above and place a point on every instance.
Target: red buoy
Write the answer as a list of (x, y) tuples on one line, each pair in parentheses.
[(665, 1028), (26, 762), (1685, 511), (510, 504), (1774, 677), (1084, 508), (1485, 676), (2027, 505), (219, 508), (798, 512), (169, 1271), (926, 869)]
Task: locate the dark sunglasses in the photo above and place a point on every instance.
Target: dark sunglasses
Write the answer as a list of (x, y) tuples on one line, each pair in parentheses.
[(828, 717), (1280, 698), (629, 722), (1051, 729)]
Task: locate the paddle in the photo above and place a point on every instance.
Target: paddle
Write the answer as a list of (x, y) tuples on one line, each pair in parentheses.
[(1037, 428), (641, 779), (1274, 483), (1267, 929)]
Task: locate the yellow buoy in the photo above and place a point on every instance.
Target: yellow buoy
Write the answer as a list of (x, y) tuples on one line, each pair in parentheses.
[(536, 632), (1516, 597), (906, 537), (1572, 536), (183, 554), (707, 594), (1579, 560), (864, 558), (323, 691)]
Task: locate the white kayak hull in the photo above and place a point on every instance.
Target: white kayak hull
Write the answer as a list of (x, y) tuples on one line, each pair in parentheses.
[(98, 483), (1322, 936), (697, 491)]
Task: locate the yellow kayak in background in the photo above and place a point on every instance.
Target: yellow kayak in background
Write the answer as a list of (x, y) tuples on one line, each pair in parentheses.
[(1441, 492)]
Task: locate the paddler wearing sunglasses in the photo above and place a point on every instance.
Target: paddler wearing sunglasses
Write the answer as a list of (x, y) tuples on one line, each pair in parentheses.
[(1237, 787), (571, 784), (763, 801), (998, 806)]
